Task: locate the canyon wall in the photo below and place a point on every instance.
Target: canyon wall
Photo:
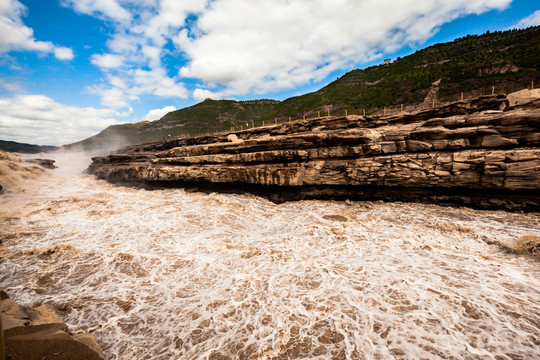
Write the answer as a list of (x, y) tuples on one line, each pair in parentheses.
[(482, 153)]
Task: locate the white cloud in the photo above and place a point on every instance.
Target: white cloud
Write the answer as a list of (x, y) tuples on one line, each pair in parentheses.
[(200, 94), (113, 97), (39, 119), (17, 36), (156, 82), (133, 66), (12, 84), (63, 53), (107, 61), (129, 85), (105, 9), (271, 45), (157, 114), (531, 20), (171, 15), (246, 47)]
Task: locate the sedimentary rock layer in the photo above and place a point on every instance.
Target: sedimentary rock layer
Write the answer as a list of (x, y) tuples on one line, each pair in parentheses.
[(482, 153)]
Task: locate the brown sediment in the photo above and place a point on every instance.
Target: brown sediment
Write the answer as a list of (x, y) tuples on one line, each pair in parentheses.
[(527, 244), (177, 275), (14, 171)]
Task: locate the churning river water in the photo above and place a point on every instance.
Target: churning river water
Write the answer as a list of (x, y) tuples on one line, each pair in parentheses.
[(167, 274)]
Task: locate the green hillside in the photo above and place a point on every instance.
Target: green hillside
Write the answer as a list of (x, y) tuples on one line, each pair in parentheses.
[(207, 116), (508, 60), (12, 146)]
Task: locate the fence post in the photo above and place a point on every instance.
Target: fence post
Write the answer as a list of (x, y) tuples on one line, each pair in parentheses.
[(384, 111), (462, 96), (433, 103), (493, 90), (318, 114), (364, 112), (263, 123), (401, 107), (345, 112), (275, 121), (532, 84), (289, 119)]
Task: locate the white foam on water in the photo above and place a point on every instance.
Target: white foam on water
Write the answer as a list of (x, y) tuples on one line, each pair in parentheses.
[(168, 274)]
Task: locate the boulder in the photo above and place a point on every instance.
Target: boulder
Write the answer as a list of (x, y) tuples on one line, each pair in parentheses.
[(13, 314), (46, 341), (45, 314), (40, 333), (89, 341), (233, 138), (523, 97)]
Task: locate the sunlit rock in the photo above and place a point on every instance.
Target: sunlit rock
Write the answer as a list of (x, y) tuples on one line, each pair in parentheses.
[(466, 153)]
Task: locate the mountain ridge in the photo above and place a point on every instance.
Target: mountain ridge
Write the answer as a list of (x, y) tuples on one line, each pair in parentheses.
[(500, 62), (13, 146)]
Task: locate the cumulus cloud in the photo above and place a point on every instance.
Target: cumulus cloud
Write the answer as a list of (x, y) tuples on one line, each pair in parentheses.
[(155, 82), (133, 66), (105, 9), (242, 47), (107, 61), (270, 45), (112, 97), (531, 20), (17, 36), (157, 114), (128, 85), (63, 53), (39, 119), (202, 94)]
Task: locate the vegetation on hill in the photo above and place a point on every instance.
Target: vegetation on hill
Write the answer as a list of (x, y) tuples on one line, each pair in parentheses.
[(207, 116), (507, 60), (12, 146)]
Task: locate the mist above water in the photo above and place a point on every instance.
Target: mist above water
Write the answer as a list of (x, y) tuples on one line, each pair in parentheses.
[(168, 274)]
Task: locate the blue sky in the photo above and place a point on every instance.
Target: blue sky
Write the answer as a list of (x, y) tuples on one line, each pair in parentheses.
[(70, 68)]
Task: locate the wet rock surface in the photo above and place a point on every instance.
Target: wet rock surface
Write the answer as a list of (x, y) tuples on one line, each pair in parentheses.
[(482, 153), (40, 333), (46, 163)]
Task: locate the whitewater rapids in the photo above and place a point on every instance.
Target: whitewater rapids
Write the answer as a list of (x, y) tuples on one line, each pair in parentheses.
[(168, 274)]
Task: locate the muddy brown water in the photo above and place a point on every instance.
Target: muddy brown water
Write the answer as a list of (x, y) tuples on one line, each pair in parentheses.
[(167, 274)]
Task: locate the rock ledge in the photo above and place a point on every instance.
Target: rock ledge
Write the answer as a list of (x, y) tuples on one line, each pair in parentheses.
[(482, 153)]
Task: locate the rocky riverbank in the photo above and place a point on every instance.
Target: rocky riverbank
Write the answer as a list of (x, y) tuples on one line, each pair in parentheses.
[(482, 153), (40, 333)]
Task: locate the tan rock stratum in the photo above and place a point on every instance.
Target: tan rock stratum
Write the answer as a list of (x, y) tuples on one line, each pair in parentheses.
[(482, 153)]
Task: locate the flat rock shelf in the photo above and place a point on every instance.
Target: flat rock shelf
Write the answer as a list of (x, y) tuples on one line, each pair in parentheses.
[(482, 153)]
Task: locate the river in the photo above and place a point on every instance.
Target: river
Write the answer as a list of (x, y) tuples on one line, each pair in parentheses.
[(168, 274)]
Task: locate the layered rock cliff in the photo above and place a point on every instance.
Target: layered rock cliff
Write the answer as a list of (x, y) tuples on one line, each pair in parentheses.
[(483, 153)]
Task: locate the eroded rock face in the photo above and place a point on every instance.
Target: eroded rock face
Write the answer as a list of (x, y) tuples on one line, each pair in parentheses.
[(480, 153), (40, 333)]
